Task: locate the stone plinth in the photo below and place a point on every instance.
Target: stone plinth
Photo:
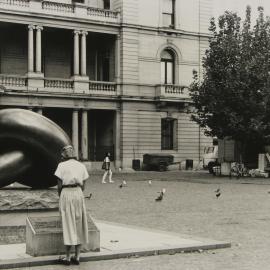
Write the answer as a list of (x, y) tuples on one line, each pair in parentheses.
[(44, 236), (16, 203), (28, 199)]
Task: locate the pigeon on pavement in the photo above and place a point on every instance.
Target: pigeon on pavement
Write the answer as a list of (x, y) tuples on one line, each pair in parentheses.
[(124, 184), (161, 194), (89, 196)]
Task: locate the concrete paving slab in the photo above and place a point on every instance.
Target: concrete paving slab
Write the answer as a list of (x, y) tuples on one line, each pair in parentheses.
[(117, 241)]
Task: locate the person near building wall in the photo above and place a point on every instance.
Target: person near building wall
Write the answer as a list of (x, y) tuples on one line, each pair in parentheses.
[(107, 167)]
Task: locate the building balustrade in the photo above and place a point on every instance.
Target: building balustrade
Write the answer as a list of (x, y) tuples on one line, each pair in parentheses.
[(102, 12), (62, 9), (16, 82), (58, 83), (172, 91), (102, 86), (20, 3), (163, 91), (58, 7), (13, 80)]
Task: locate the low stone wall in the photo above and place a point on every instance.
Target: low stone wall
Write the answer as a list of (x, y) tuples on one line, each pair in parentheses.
[(12, 234)]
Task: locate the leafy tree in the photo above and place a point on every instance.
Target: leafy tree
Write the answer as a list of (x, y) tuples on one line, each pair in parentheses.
[(233, 98)]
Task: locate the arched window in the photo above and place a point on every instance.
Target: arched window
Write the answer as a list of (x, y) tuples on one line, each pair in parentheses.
[(167, 67)]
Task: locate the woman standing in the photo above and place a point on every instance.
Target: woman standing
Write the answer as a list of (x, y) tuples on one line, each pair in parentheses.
[(71, 182), (107, 167)]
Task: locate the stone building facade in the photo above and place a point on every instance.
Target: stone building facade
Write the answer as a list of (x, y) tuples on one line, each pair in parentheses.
[(114, 74)]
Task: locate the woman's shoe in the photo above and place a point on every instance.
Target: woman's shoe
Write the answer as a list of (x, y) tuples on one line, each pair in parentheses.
[(63, 261), (74, 260)]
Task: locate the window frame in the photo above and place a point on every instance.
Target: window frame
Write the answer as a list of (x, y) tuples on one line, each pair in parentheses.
[(169, 136), (171, 14), (164, 62), (107, 4)]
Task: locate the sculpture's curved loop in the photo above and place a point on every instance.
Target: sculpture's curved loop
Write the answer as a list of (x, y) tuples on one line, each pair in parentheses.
[(30, 148)]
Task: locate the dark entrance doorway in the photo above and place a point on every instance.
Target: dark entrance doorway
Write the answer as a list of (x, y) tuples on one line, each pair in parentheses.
[(101, 125)]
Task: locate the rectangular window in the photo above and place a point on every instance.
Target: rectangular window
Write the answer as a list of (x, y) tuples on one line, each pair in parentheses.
[(168, 134), (163, 72), (167, 72), (106, 4), (169, 77), (168, 13), (102, 66)]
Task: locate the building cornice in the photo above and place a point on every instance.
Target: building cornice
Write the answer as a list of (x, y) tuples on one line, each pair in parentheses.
[(167, 31), (59, 21), (116, 98)]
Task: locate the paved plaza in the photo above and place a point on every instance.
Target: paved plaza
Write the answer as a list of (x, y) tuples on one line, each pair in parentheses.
[(240, 215)]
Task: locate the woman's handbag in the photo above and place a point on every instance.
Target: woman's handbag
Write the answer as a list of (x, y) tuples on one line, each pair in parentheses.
[(103, 165)]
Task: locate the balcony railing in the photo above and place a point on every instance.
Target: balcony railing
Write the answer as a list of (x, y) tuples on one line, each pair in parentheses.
[(76, 10), (172, 91), (58, 7), (62, 85), (102, 87), (98, 12), (18, 3), (13, 80), (58, 83)]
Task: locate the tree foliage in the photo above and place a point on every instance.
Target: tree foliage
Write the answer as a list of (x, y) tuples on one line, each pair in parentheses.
[(233, 97)]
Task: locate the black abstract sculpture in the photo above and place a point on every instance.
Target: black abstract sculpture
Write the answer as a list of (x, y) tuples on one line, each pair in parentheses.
[(30, 147)]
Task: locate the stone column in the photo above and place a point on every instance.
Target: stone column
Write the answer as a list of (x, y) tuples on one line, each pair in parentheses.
[(38, 48), (76, 52), (84, 138), (31, 48), (117, 59), (75, 132), (83, 53), (117, 138)]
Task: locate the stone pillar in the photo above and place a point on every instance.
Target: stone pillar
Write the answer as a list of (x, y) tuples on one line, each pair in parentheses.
[(31, 48), (117, 138), (75, 132), (40, 111), (84, 138), (117, 59), (83, 53), (76, 52), (38, 49)]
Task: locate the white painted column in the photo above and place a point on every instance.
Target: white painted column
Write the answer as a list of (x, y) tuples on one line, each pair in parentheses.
[(83, 53), (117, 138), (117, 59), (84, 138), (76, 52), (38, 49), (31, 48), (75, 132)]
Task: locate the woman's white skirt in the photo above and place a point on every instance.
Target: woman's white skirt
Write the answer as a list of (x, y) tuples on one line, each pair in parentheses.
[(74, 219)]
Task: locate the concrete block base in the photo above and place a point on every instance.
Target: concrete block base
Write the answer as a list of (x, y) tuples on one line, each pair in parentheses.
[(44, 236)]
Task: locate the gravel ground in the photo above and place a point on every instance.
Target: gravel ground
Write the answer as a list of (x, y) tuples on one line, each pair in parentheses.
[(241, 215)]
